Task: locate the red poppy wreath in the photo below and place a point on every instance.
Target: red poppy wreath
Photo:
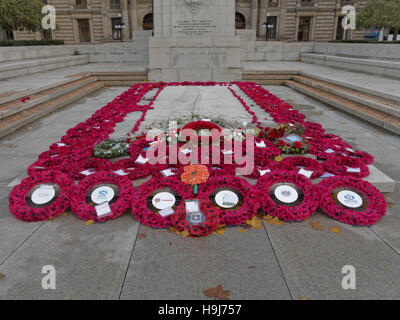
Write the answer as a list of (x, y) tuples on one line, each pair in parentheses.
[(288, 195), (41, 165), (233, 196), (134, 171), (97, 189), (346, 166), (155, 201), (204, 228), (41, 196), (87, 167), (351, 200), (306, 166), (263, 150)]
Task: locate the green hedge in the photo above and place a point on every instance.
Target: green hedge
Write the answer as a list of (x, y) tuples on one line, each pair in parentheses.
[(365, 41), (18, 43)]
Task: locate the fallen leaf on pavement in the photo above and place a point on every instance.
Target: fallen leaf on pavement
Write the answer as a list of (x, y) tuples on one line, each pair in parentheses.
[(9, 145), (141, 236), (316, 226), (242, 230), (304, 298), (2, 276), (89, 222), (217, 292), (334, 230), (185, 233), (255, 222), (274, 220)]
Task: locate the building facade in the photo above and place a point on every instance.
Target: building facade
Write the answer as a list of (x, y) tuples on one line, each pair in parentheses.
[(97, 21)]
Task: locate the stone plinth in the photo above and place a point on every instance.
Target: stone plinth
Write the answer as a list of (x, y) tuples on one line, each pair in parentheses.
[(194, 41)]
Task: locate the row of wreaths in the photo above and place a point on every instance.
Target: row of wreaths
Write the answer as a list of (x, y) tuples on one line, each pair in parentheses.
[(255, 197)]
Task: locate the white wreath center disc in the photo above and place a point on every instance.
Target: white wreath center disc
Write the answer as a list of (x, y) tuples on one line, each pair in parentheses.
[(43, 194), (102, 194), (350, 199), (163, 200), (226, 199), (286, 194)]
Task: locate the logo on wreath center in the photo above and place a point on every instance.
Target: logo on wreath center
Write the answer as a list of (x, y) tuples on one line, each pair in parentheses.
[(349, 198), (194, 6)]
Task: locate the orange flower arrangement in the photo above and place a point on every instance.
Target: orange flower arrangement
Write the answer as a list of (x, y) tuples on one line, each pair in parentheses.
[(195, 174)]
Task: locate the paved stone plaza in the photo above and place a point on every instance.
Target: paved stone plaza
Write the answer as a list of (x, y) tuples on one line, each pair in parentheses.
[(122, 259)]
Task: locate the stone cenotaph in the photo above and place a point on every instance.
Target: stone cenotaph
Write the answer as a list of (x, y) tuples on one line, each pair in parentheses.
[(194, 40)]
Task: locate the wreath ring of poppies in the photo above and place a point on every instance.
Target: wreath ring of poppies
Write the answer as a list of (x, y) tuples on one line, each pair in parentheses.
[(247, 199), (342, 165), (136, 148), (85, 209), (307, 195), (148, 215), (22, 205), (92, 165), (365, 213), (133, 171), (309, 164), (261, 154), (202, 229)]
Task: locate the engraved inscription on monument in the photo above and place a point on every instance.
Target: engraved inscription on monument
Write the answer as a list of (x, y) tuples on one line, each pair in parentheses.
[(194, 18)]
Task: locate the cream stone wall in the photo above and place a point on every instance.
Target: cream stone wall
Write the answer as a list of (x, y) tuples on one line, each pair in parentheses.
[(324, 14)]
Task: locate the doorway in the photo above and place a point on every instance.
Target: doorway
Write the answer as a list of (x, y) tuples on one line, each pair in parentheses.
[(148, 22), (240, 21), (304, 31), (84, 30), (272, 21), (116, 33), (339, 29)]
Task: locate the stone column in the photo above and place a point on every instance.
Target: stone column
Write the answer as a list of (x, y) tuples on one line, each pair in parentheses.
[(254, 14), (261, 18), (125, 18), (134, 18)]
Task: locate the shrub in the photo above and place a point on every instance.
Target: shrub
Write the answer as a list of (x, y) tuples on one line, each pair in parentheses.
[(18, 43)]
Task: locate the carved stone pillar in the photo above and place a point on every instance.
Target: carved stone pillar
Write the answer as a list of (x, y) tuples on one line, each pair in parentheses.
[(254, 14)]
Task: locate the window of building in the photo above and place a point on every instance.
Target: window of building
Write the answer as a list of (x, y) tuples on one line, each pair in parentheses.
[(115, 4), (307, 3), (81, 4), (47, 35), (304, 31), (240, 21), (116, 31), (148, 22), (272, 3), (84, 30)]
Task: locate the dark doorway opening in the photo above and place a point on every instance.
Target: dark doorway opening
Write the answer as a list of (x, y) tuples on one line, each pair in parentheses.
[(304, 29), (240, 21), (84, 30), (148, 22)]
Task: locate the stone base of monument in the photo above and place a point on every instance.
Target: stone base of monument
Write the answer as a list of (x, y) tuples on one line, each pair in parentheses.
[(195, 59)]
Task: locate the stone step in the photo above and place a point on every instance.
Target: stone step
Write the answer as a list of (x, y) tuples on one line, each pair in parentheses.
[(15, 106), (16, 121), (17, 95), (386, 68), (373, 101), (20, 68), (377, 117)]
